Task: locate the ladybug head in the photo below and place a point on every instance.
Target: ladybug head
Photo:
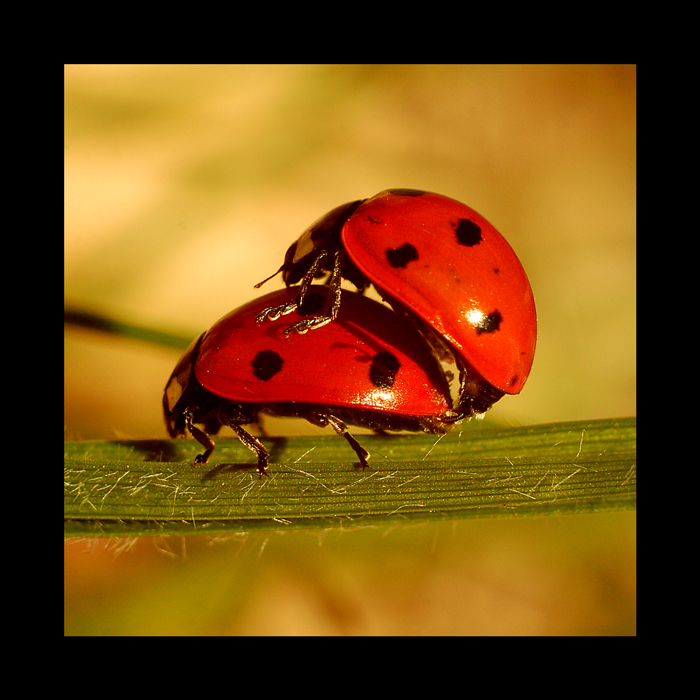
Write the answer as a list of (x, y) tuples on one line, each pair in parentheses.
[(321, 238), (177, 387)]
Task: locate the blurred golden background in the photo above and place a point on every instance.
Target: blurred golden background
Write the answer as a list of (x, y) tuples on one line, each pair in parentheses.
[(184, 186)]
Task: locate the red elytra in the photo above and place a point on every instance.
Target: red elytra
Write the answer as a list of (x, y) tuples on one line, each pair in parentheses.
[(368, 368), (444, 263)]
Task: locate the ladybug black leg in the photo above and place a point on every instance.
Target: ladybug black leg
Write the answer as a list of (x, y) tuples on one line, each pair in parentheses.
[(323, 419), (254, 445), (334, 283), (274, 312), (202, 438), (310, 276)]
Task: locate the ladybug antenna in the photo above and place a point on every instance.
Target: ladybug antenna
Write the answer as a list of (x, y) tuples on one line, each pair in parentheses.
[(267, 279)]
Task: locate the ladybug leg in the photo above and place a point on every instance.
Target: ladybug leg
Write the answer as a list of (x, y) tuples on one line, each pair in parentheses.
[(310, 276), (334, 283), (324, 419), (202, 438), (274, 312), (253, 444)]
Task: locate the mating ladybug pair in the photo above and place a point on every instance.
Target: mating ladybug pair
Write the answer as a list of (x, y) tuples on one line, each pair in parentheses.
[(458, 293)]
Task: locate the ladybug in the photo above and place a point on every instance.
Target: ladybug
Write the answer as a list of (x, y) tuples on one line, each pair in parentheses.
[(441, 264), (368, 368)]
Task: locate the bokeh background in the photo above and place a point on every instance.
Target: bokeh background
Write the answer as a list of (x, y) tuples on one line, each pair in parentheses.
[(184, 186)]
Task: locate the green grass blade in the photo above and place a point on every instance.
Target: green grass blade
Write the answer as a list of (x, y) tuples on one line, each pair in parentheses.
[(147, 487), (79, 317)]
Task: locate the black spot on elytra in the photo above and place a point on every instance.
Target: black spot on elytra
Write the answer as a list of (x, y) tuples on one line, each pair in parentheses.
[(407, 193), (382, 371), (266, 364), (489, 323), (313, 303), (467, 232), (401, 256)]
